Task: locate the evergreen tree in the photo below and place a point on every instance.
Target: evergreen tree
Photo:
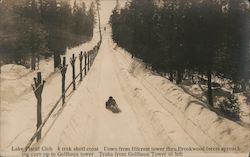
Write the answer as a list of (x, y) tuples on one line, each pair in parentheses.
[(201, 37), (91, 19), (32, 36), (29, 28)]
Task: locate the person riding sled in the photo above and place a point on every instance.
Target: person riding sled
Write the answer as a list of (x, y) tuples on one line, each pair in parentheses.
[(112, 105)]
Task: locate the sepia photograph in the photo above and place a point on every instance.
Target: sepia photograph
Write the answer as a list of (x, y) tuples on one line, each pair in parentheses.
[(124, 78)]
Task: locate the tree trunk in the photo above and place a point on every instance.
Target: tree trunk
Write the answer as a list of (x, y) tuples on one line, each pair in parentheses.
[(99, 19), (38, 62), (179, 76), (57, 60), (209, 89), (33, 61), (171, 78)]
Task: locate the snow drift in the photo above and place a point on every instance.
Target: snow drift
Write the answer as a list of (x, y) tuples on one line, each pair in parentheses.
[(205, 127)]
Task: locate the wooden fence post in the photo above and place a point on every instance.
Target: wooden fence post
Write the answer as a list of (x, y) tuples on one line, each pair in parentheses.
[(90, 57), (63, 69), (98, 45), (72, 62), (85, 63), (96, 50), (80, 59), (88, 61), (38, 89)]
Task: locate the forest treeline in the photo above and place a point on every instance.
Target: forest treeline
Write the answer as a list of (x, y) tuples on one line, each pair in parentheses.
[(30, 29), (188, 37)]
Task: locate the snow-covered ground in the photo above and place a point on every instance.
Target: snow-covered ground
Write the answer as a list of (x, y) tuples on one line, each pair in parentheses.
[(155, 112), (18, 102), (203, 126), (199, 91)]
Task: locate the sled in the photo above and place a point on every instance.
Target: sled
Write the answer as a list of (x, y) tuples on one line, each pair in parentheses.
[(112, 106)]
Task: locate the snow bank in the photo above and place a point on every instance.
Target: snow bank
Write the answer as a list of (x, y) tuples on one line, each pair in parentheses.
[(13, 71), (16, 80), (205, 127), (9, 79), (220, 94), (18, 102)]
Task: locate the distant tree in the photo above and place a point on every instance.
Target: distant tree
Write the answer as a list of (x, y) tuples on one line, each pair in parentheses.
[(237, 42), (53, 23), (34, 27), (8, 31), (207, 37), (91, 19), (98, 7), (203, 39), (31, 35)]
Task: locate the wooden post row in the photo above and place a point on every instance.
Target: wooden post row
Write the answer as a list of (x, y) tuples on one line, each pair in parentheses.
[(88, 60), (80, 59), (90, 57), (96, 50), (85, 63), (38, 89), (63, 70), (72, 62)]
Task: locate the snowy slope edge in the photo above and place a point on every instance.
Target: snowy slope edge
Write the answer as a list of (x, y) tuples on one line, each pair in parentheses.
[(204, 126)]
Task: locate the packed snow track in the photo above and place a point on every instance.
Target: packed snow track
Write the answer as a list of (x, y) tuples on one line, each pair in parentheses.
[(86, 121), (147, 117)]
